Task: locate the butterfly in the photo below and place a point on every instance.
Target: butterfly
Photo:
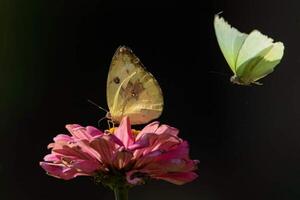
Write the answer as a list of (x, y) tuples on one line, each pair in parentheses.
[(250, 56), (131, 90)]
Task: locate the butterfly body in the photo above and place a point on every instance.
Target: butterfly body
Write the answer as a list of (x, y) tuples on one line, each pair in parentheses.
[(249, 56), (131, 90), (237, 80)]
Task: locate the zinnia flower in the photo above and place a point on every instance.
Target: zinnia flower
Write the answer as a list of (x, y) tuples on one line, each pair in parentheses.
[(121, 155)]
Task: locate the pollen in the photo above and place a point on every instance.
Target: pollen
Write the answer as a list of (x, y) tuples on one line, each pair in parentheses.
[(134, 131), (112, 130)]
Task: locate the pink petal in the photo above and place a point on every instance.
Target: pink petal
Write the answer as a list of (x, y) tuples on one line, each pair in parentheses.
[(76, 130), (173, 165), (124, 133), (149, 158), (178, 178), (121, 159), (150, 128), (74, 151), (80, 132), (153, 142), (142, 142), (62, 138), (87, 166), (93, 132), (167, 129), (134, 180), (116, 140), (105, 147), (88, 149), (51, 158), (163, 142), (163, 159), (180, 151), (59, 170)]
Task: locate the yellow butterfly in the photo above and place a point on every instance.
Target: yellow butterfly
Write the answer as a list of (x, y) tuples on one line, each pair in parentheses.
[(131, 90)]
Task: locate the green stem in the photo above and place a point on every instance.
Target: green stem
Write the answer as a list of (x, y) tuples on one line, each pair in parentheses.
[(121, 193)]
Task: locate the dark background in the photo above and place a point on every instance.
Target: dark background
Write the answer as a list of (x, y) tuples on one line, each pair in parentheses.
[(55, 54)]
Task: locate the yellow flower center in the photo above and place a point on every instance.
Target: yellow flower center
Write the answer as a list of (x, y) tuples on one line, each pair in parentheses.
[(112, 130), (134, 131)]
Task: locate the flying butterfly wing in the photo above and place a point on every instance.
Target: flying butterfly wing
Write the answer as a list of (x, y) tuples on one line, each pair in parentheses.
[(131, 90), (255, 47), (267, 64), (230, 41)]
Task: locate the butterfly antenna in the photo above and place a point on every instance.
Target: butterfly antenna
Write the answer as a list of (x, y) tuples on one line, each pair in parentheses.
[(100, 120), (219, 12), (97, 106)]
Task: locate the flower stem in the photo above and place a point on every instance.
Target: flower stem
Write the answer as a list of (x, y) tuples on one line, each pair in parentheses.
[(121, 193)]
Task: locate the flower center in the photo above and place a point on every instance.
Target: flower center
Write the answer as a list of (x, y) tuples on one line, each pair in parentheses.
[(112, 130), (134, 131)]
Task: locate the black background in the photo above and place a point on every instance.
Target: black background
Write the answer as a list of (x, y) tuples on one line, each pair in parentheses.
[(55, 55)]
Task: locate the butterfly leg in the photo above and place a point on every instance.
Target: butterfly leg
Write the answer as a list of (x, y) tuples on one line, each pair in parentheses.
[(110, 124)]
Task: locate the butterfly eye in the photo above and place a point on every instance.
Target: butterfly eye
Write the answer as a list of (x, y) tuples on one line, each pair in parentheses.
[(116, 80)]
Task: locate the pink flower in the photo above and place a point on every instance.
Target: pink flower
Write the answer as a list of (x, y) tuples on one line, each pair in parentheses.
[(154, 152)]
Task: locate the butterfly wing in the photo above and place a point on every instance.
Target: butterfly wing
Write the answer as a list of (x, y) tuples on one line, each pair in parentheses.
[(131, 90), (268, 63), (230, 41), (256, 57)]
